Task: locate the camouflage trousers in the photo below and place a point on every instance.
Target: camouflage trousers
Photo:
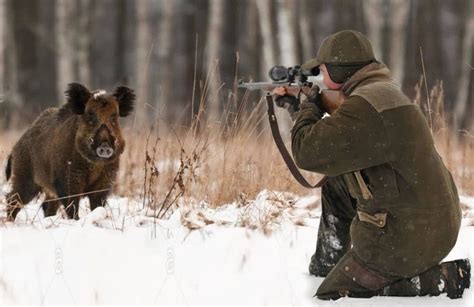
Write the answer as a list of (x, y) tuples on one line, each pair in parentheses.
[(346, 274)]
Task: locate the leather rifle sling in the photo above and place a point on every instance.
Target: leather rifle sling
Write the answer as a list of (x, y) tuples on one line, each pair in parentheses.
[(284, 152)]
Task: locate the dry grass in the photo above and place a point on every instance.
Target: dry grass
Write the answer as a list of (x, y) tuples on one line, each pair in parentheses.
[(216, 163), (456, 149), (234, 159)]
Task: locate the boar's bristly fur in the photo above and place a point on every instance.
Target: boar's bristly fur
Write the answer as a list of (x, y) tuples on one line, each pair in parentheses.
[(70, 152)]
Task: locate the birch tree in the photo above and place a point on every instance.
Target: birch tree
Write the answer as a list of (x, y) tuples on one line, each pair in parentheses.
[(65, 35), (164, 50), (307, 31), (83, 41), (143, 47), (374, 17), (286, 38), (215, 31), (267, 48), (248, 23), (24, 42), (288, 50), (46, 94), (11, 60), (398, 20)]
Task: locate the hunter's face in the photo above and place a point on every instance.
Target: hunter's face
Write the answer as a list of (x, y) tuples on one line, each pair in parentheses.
[(327, 80)]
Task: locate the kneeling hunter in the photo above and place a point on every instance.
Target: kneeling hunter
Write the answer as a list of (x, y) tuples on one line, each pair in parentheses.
[(390, 208)]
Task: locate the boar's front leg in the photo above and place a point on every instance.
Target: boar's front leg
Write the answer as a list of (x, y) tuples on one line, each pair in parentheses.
[(50, 206), (100, 189), (97, 199), (99, 192), (69, 191)]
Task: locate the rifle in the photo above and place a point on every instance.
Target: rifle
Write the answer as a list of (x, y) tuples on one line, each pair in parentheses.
[(331, 100), (292, 76)]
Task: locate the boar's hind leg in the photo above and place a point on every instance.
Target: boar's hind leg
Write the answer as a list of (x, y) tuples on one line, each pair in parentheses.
[(22, 193)]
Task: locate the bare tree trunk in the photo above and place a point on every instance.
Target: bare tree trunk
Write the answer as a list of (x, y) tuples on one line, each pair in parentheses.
[(264, 13), (451, 35), (288, 51), (46, 53), (248, 24), (165, 63), (10, 99), (375, 23), (83, 41), (462, 99), (287, 39), (307, 30), (398, 20), (144, 45), (214, 40), (25, 40), (65, 12), (11, 59), (324, 21), (120, 42)]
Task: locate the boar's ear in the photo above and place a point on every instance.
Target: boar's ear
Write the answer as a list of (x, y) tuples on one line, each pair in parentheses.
[(77, 96), (126, 100)]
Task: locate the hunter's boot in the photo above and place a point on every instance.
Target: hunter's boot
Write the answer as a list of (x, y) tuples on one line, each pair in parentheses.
[(338, 210), (448, 277)]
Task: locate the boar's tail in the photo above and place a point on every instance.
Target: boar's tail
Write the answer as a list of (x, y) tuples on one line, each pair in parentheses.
[(8, 170)]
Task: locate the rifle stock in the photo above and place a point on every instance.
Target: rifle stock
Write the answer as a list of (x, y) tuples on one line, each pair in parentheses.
[(332, 100)]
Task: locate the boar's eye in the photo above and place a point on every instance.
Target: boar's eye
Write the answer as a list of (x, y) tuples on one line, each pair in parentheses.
[(90, 118), (114, 120)]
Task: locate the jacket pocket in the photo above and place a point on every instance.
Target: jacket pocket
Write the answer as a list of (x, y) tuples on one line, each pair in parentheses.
[(378, 219)]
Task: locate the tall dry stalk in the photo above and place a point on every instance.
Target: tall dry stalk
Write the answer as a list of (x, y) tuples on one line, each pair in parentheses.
[(455, 148)]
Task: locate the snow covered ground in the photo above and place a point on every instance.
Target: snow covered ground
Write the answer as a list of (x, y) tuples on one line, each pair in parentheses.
[(249, 252)]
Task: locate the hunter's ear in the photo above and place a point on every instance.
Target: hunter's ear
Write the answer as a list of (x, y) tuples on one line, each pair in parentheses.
[(77, 96), (126, 100)]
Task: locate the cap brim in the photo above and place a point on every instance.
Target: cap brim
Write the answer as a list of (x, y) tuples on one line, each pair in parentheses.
[(311, 64)]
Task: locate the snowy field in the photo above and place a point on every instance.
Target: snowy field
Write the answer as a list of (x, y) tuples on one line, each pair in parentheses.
[(249, 252)]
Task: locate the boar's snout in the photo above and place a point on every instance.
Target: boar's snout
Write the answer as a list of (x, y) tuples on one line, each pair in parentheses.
[(104, 143), (104, 151)]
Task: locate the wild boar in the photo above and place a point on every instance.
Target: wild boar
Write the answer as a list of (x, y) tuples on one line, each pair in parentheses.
[(70, 152)]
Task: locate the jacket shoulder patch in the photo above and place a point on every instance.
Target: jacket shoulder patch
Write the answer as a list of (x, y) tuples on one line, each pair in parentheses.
[(382, 95)]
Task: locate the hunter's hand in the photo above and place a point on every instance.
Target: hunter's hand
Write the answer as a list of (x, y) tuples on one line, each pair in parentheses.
[(286, 100), (290, 90)]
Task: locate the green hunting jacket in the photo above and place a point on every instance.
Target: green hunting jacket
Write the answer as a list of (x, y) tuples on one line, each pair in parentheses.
[(379, 141)]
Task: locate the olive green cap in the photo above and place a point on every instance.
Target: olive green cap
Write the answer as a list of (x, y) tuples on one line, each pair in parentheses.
[(346, 47)]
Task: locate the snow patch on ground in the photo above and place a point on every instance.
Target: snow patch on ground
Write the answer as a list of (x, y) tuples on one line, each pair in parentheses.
[(253, 251)]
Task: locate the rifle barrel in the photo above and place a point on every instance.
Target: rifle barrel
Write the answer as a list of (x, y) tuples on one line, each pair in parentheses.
[(252, 86)]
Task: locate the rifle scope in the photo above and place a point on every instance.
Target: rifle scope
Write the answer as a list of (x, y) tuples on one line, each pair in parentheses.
[(289, 74), (282, 73)]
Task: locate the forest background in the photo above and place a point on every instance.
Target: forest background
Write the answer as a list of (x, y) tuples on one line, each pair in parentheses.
[(183, 58)]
